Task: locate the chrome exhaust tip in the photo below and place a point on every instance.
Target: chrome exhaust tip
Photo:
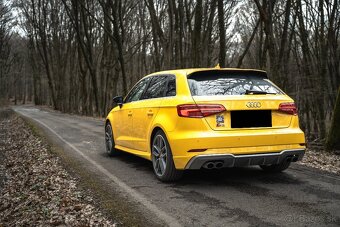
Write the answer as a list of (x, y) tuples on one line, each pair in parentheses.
[(218, 165), (213, 165), (209, 165)]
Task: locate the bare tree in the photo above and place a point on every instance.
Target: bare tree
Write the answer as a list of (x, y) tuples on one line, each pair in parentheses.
[(81, 53), (5, 48)]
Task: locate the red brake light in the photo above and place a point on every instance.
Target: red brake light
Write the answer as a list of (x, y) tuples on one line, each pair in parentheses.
[(289, 108), (199, 110)]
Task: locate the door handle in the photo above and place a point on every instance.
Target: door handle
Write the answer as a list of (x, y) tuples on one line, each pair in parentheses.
[(150, 113), (130, 113)]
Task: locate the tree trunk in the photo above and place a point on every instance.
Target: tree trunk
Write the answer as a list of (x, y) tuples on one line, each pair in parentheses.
[(222, 33), (196, 46), (240, 60), (333, 138), (119, 42), (157, 33)]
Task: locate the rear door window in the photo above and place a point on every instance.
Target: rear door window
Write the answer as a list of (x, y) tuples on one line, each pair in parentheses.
[(137, 91), (210, 83), (156, 87), (160, 86), (171, 86)]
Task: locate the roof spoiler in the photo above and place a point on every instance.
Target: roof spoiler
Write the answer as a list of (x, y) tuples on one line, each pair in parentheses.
[(259, 73)]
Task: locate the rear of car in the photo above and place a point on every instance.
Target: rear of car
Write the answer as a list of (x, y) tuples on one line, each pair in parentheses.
[(234, 118)]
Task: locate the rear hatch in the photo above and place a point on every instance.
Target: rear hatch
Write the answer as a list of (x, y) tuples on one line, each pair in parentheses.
[(250, 99)]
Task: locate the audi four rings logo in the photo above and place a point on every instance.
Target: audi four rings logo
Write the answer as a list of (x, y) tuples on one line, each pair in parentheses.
[(253, 104)]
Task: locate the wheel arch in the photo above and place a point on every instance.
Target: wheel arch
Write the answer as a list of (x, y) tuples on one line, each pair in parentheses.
[(153, 133), (107, 121), (171, 173)]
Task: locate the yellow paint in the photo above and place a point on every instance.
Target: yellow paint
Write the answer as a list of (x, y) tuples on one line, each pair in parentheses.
[(133, 124)]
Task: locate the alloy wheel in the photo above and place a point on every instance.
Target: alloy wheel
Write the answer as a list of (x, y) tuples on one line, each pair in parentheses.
[(159, 155), (108, 138)]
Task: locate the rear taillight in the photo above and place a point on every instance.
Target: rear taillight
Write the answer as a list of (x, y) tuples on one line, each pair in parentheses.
[(199, 110), (289, 108)]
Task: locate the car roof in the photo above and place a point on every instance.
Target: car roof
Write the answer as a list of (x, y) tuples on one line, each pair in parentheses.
[(193, 70)]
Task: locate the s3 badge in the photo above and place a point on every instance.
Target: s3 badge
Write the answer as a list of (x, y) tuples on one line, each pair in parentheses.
[(219, 121)]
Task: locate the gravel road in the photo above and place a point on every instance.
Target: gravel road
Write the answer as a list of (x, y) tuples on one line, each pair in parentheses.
[(301, 196)]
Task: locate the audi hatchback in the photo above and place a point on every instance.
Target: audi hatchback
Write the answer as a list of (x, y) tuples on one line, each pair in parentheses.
[(206, 118)]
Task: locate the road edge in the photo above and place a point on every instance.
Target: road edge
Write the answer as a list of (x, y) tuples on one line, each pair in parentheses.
[(122, 187)]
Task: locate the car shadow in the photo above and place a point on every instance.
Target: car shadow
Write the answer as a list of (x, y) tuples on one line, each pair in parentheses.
[(225, 176), (238, 175), (133, 161)]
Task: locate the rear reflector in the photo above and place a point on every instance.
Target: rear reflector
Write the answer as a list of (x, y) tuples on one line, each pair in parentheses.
[(197, 150), (289, 108), (199, 110)]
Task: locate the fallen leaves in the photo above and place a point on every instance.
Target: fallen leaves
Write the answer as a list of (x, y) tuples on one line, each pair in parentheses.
[(35, 188), (322, 160)]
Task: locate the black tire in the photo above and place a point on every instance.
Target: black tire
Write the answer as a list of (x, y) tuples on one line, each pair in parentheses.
[(162, 161), (109, 141), (276, 168)]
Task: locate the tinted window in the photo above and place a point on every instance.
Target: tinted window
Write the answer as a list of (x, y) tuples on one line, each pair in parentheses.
[(137, 91), (171, 87), (229, 83), (156, 88)]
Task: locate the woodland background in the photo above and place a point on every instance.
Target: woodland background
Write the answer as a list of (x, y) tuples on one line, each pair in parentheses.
[(75, 55)]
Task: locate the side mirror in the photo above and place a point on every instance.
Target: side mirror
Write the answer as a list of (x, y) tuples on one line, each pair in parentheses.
[(118, 100)]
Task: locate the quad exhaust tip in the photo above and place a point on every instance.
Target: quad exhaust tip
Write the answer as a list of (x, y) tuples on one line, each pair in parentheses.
[(220, 164), (294, 158), (213, 165)]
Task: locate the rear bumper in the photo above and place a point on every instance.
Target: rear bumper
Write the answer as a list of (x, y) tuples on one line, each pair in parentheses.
[(230, 160), (185, 145)]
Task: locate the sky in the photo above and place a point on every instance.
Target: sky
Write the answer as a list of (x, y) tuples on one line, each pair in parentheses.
[(16, 27)]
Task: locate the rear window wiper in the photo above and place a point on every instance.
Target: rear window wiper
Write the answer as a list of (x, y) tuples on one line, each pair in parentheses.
[(254, 92)]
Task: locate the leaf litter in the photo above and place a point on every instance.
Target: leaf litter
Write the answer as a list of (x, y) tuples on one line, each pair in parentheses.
[(35, 188)]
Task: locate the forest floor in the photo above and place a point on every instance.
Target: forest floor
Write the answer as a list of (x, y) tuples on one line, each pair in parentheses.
[(322, 160), (35, 188)]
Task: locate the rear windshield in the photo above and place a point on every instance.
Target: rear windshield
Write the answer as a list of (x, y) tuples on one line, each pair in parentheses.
[(210, 83)]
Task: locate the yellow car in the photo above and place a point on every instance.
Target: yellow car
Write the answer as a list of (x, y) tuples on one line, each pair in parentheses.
[(206, 118)]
